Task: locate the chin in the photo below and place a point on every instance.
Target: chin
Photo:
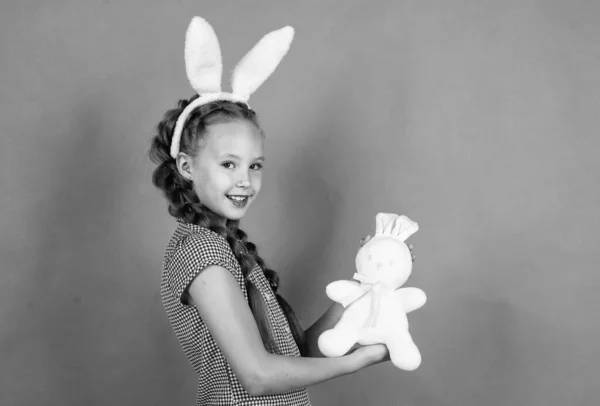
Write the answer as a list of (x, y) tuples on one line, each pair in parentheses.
[(235, 216)]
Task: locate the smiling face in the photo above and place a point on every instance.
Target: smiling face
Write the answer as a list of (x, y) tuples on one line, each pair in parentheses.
[(227, 171)]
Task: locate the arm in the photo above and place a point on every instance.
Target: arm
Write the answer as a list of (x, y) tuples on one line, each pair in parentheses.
[(411, 298), (336, 291), (223, 308), (327, 321)]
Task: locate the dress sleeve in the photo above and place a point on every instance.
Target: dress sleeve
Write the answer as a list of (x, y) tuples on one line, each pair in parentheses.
[(196, 253)]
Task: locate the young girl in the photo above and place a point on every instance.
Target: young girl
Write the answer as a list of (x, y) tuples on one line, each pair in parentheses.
[(241, 337)]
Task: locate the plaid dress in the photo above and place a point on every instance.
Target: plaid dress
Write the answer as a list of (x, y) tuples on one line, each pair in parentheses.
[(191, 249)]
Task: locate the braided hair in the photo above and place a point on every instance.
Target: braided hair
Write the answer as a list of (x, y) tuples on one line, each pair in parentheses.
[(185, 204)]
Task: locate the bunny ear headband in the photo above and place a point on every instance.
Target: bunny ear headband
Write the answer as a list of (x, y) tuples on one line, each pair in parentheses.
[(392, 225), (204, 68)]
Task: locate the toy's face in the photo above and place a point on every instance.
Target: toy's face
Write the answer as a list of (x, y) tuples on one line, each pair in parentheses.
[(385, 259)]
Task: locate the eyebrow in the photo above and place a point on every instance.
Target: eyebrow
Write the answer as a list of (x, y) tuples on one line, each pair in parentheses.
[(260, 158)]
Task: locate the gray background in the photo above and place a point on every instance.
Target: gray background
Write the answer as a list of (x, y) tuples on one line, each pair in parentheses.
[(478, 119)]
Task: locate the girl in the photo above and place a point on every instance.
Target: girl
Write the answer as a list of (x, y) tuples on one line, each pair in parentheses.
[(240, 336)]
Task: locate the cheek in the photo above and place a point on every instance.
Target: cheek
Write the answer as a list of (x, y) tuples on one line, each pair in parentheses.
[(219, 181), (211, 184), (257, 181), (366, 261)]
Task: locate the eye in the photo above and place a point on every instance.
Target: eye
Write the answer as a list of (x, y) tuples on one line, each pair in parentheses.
[(226, 163), (258, 167)]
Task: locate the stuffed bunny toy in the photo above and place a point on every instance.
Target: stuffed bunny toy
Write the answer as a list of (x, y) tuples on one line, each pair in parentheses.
[(375, 305)]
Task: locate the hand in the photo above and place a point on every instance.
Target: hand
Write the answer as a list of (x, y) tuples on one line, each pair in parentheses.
[(366, 239), (367, 355), (413, 256)]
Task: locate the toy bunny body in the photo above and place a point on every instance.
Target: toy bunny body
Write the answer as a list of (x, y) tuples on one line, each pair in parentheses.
[(375, 306)]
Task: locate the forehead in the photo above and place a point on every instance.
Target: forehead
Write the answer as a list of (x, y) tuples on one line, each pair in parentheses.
[(383, 243), (238, 137)]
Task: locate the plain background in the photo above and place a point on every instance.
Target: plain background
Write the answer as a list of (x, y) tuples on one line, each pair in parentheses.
[(477, 119)]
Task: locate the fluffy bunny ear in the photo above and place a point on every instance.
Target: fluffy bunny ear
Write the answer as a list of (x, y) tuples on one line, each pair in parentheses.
[(260, 62), (203, 63)]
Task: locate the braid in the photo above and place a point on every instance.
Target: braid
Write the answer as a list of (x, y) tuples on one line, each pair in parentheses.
[(177, 190), (273, 278), (184, 203)]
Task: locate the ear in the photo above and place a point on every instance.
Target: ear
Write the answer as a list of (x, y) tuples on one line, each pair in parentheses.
[(404, 228), (384, 223), (260, 62), (184, 165), (203, 62)]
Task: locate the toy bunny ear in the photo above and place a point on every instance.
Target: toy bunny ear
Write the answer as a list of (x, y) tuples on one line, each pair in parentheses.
[(203, 61), (404, 228), (400, 227), (384, 223), (260, 62)]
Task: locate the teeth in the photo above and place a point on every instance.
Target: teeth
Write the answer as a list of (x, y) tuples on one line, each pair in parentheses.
[(237, 198)]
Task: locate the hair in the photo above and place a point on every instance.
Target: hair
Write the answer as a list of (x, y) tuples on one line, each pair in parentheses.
[(185, 204)]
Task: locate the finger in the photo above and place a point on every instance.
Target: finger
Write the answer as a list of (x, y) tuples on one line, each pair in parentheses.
[(364, 240)]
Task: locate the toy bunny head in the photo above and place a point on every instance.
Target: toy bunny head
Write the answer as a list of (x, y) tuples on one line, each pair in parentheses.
[(386, 258)]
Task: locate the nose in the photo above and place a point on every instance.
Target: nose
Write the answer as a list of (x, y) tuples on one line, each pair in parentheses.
[(243, 183)]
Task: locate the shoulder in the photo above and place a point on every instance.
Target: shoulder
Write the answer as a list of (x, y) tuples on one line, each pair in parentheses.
[(195, 252), (204, 243), (201, 248)]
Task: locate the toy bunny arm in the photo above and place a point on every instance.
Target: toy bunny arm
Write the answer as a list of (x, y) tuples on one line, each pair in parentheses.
[(411, 298), (339, 291)]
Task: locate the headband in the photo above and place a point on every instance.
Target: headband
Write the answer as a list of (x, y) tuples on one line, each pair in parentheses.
[(204, 68)]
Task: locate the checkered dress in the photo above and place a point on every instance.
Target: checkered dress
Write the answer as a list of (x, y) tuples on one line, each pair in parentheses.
[(191, 249)]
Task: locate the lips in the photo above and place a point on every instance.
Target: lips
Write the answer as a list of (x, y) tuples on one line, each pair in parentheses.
[(238, 197), (239, 201)]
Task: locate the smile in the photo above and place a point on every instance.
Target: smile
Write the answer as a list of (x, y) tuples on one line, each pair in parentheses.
[(239, 201), (238, 198)]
